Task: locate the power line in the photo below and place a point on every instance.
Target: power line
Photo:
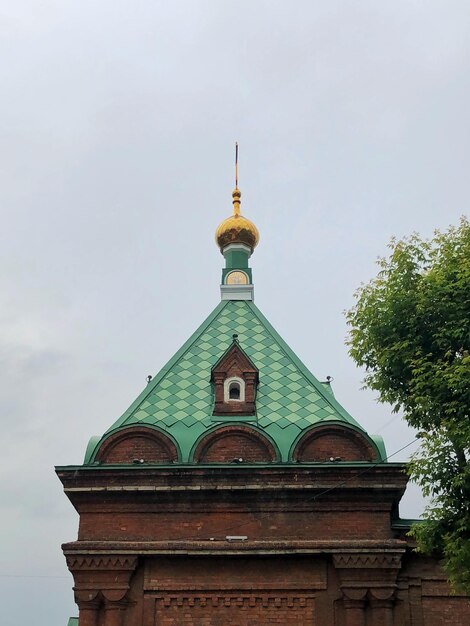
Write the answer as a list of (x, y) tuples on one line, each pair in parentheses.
[(318, 495), (241, 524), (366, 470), (387, 424), (31, 576)]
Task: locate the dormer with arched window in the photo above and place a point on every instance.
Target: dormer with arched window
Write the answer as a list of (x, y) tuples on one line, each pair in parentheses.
[(235, 379)]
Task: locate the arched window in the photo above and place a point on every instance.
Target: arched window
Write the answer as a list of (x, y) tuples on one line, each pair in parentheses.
[(234, 389)]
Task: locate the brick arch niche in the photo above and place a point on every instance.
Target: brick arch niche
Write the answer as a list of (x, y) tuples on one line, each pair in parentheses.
[(137, 444), (230, 444), (332, 441)]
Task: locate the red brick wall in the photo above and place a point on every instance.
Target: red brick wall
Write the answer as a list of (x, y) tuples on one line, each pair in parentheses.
[(141, 526), (234, 446), (232, 592), (262, 591), (324, 443), (237, 584), (134, 444), (332, 445), (136, 448), (234, 442), (443, 611)]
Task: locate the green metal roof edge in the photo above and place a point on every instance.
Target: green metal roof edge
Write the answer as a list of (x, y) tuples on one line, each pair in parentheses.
[(73, 621), (91, 447), (243, 466), (327, 396), (405, 523), (380, 443), (154, 382)]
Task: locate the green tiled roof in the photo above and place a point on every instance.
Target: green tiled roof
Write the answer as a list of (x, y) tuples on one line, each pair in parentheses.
[(73, 621), (179, 400)]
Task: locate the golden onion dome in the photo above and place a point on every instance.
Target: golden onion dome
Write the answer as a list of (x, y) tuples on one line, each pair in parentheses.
[(236, 228)]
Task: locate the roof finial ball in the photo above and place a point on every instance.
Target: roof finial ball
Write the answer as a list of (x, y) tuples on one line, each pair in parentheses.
[(236, 228)]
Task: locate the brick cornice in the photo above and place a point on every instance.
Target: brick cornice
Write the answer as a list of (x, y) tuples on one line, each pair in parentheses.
[(371, 574), (341, 549), (101, 577), (341, 480)]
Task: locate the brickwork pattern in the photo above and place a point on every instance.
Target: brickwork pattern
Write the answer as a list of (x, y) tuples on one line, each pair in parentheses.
[(137, 526), (234, 610), (232, 443), (163, 557), (440, 611), (136, 444), (326, 442)]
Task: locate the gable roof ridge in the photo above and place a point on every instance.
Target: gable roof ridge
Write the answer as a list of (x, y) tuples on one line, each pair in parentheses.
[(168, 365), (227, 351), (306, 373)]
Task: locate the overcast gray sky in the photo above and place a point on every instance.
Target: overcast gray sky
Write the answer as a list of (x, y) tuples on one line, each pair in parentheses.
[(117, 123)]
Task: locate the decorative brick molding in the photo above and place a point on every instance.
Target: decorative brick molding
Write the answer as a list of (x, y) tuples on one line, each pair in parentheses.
[(382, 594), (88, 599), (234, 608), (101, 563), (322, 443), (366, 561), (368, 583), (231, 443), (236, 600), (98, 592), (111, 609), (378, 601), (354, 594), (100, 578), (137, 444)]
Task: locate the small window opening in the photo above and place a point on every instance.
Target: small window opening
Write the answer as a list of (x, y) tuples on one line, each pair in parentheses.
[(234, 391)]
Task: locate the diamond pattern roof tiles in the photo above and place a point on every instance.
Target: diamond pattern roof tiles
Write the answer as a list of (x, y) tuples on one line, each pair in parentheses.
[(180, 397)]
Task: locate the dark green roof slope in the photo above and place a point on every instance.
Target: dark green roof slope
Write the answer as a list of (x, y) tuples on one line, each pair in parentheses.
[(179, 400)]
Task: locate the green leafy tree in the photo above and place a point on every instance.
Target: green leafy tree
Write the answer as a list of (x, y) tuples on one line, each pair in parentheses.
[(410, 330)]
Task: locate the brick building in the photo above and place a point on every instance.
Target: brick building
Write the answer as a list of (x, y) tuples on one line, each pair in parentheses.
[(237, 491)]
